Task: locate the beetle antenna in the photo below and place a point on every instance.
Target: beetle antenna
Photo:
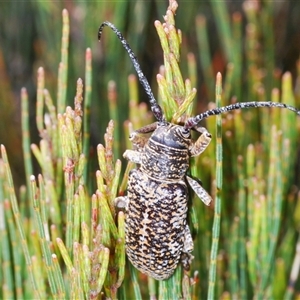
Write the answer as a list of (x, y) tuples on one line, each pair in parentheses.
[(156, 109), (193, 121)]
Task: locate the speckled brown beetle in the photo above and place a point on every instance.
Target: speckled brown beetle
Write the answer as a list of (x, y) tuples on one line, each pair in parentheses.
[(157, 234)]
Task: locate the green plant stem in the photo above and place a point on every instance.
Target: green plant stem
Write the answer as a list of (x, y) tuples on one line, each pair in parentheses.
[(26, 137), (204, 54), (63, 67), (87, 107), (219, 179), (6, 260), (18, 221)]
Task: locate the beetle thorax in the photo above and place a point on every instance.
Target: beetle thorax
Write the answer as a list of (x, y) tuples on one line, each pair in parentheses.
[(166, 155)]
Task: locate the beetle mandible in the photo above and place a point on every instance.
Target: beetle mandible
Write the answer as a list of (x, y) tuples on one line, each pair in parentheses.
[(157, 236)]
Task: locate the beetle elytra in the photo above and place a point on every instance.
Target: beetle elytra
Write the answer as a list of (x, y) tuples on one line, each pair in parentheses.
[(157, 236)]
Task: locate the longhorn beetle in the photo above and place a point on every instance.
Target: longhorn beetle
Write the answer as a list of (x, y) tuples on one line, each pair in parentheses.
[(157, 236)]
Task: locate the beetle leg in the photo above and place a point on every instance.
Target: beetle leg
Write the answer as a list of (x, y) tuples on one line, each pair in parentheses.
[(199, 128), (139, 141), (202, 142), (121, 203), (188, 246), (133, 155), (199, 190), (148, 128)]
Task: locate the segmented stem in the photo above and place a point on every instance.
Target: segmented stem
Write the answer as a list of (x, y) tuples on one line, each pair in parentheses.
[(156, 109), (191, 122)]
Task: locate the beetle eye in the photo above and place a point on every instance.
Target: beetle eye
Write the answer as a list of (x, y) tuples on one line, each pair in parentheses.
[(185, 133)]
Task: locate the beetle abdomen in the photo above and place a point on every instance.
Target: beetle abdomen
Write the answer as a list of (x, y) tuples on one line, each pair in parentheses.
[(155, 224)]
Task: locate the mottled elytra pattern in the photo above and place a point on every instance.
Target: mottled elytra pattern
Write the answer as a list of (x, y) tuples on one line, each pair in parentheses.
[(155, 224), (157, 235)]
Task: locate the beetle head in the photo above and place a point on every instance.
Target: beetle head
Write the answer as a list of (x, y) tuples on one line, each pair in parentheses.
[(173, 136)]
